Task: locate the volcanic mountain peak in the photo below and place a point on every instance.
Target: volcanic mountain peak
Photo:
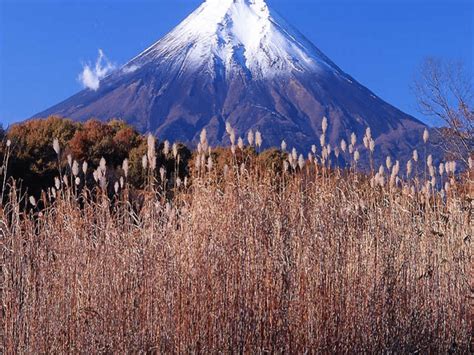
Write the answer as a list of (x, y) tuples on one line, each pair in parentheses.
[(236, 35)]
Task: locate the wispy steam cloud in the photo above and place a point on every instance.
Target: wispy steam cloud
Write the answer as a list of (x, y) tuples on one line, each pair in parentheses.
[(92, 75)]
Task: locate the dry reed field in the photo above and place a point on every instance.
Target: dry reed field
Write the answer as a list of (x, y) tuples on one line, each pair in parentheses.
[(241, 259)]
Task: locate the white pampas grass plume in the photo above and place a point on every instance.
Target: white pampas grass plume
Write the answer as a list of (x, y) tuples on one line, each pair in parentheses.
[(250, 137), (409, 167), (162, 173), (96, 175), (372, 145), (166, 148), (322, 140), (353, 139), (228, 127), (294, 154), (69, 160), (343, 145), (324, 124), (9, 143), (57, 183), (313, 149), (429, 160), (368, 133), (232, 149), (144, 162), (356, 156), (301, 161), (426, 135), (240, 143), (75, 168), (351, 149), (77, 181), (366, 142), (151, 142), (441, 169), (258, 139), (388, 162), (85, 166), (203, 137), (286, 166), (32, 201), (153, 163), (116, 187), (415, 156), (175, 150), (103, 165), (283, 146), (122, 182), (209, 163), (56, 146), (178, 182), (125, 167), (470, 162), (329, 149)]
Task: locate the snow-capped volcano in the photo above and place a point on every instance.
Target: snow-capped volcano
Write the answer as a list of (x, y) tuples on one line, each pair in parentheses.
[(238, 61), (236, 34)]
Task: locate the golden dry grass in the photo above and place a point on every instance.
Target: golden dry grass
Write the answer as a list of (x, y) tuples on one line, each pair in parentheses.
[(254, 261)]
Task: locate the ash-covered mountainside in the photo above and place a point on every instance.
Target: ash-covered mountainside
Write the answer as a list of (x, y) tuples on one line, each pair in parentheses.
[(238, 61)]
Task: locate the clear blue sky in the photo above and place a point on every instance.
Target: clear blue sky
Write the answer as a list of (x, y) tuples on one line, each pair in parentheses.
[(44, 43)]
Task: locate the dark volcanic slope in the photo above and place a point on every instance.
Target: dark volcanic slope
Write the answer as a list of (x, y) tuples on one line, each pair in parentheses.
[(236, 61)]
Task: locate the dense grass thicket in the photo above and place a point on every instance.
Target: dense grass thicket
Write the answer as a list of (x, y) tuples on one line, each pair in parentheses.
[(240, 254)]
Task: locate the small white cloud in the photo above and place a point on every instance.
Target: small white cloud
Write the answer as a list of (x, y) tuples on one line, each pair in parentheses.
[(92, 75)]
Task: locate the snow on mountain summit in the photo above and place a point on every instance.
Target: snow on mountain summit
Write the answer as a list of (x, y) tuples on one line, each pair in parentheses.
[(236, 35)]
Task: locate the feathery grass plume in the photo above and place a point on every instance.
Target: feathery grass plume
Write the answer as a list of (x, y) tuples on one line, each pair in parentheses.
[(301, 162), (453, 167), (240, 143), (258, 139), (56, 146), (126, 167), (122, 182), (166, 148), (283, 146), (415, 156), (153, 163), (356, 156), (69, 160), (324, 124), (372, 145), (85, 166), (353, 139), (294, 154), (310, 158), (250, 138), (96, 175), (103, 183), (178, 182), (9, 143), (325, 153), (185, 181), (329, 149), (116, 187), (322, 140), (343, 145), (470, 163), (151, 151), (175, 151), (366, 142), (429, 160), (351, 149), (388, 162), (77, 181), (57, 183), (396, 168), (203, 137), (426, 136), (286, 166), (144, 162), (32, 201), (54, 193), (75, 168), (313, 149), (368, 133), (409, 167), (162, 173), (337, 152), (381, 170), (228, 127), (209, 163), (232, 149), (103, 165), (197, 162), (441, 169)]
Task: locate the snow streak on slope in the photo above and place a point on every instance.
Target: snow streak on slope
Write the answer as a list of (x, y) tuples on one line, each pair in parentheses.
[(236, 35)]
